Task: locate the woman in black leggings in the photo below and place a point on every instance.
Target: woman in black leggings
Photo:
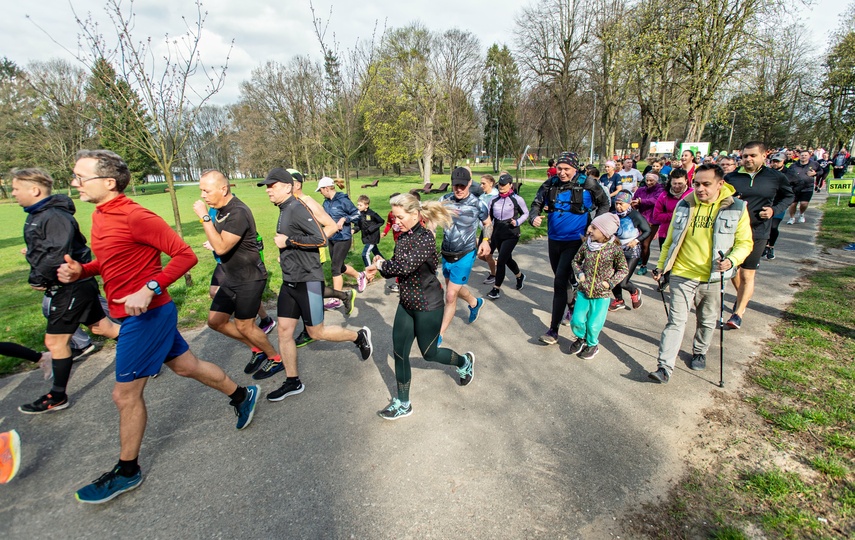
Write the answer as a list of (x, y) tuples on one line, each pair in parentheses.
[(421, 299), (507, 211)]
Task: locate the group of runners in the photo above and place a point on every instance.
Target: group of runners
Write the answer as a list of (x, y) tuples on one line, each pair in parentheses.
[(712, 226)]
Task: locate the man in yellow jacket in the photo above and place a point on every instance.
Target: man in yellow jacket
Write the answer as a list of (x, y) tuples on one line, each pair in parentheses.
[(707, 224)]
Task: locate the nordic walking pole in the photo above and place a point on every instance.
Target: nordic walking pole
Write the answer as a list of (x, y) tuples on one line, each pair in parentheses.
[(721, 325), (662, 284)]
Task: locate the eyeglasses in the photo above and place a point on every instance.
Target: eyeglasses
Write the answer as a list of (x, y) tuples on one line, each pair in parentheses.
[(81, 181)]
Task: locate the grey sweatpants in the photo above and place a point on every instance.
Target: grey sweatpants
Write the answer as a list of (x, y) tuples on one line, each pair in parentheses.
[(686, 293)]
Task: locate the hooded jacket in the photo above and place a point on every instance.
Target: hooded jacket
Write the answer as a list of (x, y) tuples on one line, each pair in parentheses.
[(341, 207), (766, 187), (647, 199), (51, 232), (698, 231)]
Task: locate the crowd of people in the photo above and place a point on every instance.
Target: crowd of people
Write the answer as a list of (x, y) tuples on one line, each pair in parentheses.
[(715, 218)]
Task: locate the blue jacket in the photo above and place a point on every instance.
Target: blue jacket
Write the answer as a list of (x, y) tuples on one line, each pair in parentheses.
[(341, 207), (568, 221)]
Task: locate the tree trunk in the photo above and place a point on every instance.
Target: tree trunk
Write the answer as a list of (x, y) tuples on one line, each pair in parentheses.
[(427, 159)]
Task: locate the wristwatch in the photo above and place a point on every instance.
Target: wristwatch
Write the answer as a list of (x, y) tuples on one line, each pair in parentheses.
[(154, 285), (206, 218)]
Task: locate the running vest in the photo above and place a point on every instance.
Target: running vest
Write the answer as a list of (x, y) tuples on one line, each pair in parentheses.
[(724, 232)]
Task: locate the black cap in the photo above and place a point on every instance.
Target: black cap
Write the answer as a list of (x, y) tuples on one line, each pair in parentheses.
[(460, 176), (277, 175), (506, 179)]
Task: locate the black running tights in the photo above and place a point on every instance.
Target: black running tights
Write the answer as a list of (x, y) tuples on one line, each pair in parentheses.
[(422, 326), (561, 255), (773, 235), (19, 351), (625, 284), (505, 247)]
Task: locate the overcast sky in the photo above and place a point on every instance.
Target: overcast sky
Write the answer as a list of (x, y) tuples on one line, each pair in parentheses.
[(266, 30)]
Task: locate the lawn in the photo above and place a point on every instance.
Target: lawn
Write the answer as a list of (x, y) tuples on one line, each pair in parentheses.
[(21, 320)]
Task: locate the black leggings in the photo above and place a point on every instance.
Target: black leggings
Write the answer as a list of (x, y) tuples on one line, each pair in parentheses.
[(773, 235), (645, 244), (14, 350), (423, 326), (561, 255), (505, 247), (625, 284)]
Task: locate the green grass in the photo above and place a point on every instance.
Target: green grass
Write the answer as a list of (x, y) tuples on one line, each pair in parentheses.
[(838, 225), (21, 320)]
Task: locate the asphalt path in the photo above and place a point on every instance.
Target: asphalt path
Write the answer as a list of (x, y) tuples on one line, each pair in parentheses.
[(540, 444)]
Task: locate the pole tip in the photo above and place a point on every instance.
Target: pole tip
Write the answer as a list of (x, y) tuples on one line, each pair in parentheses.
[(721, 384)]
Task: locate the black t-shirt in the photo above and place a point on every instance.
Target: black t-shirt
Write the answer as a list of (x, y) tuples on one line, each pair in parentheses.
[(243, 262)]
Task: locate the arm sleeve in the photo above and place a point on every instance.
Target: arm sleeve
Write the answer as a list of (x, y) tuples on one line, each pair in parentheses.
[(784, 196), (91, 269), (660, 215), (666, 245), (537, 203), (149, 228), (388, 224), (524, 217), (576, 264), (51, 251), (621, 268), (640, 224), (313, 236), (352, 211), (601, 199), (377, 222)]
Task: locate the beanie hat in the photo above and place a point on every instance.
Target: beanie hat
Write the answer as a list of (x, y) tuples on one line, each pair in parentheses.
[(623, 197), (568, 158), (607, 224)]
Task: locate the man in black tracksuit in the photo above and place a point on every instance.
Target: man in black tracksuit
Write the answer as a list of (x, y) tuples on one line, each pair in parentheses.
[(766, 193), (51, 234)]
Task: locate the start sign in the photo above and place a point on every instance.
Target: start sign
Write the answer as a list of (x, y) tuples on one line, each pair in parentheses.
[(840, 187)]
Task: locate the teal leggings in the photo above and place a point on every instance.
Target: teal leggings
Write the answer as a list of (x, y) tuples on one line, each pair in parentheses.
[(423, 326), (589, 316)]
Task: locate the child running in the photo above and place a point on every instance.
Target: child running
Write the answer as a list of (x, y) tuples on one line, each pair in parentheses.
[(633, 230), (599, 265), (421, 300), (369, 225)]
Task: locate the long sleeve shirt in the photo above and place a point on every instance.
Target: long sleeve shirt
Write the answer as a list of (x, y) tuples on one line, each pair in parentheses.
[(414, 263)]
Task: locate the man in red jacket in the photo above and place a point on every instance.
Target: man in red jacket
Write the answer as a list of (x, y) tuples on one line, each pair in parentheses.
[(127, 241)]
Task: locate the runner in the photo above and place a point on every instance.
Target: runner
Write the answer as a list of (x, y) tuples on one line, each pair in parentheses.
[(488, 186), (676, 189), (633, 230), (687, 163), (420, 308), (776, 161), (299, 238), (507, 211), (369, 225), (459, 245), (630, 177), (234, 239), (709, 221), (568, 200), (598, 266), (644, 200), (610, 182), (128, 241), (802, 175), (766, 192), (51, 233), (343, 213)]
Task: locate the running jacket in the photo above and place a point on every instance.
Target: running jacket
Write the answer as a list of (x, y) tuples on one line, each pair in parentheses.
[(767, 187), (606, 265), (664, 209), (798, 175), (369, 225), (563, 225), (414, 263), (51, 232), (341, 207), (300, 259), (462, 236), (127, 241), (699, 231), (647, 199)]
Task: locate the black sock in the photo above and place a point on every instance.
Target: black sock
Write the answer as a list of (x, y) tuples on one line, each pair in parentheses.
[(295, 380), (61, 374), (238, 396), (266, 321), (129, 467)]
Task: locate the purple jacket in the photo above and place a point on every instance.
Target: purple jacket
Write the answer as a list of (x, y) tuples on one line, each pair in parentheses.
[(648, 198), (664, 210)]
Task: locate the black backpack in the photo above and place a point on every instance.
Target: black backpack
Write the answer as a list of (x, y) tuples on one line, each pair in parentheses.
[(577, 204)]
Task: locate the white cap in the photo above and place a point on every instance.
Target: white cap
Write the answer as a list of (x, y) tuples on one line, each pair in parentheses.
[(326, 181)]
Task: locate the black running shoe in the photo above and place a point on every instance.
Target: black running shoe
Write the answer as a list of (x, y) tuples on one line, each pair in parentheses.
[(288, 388), (363, 341), (303, 339), (699, 362), (577, 346), (80, 354), (589, 352), (255, 362), (467, 372), (494, 294), (46, 403), (521, 281), (660, 375), (269, 369)]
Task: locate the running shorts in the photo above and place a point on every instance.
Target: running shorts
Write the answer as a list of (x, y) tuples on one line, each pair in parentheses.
[(146, 341), (304, 300)]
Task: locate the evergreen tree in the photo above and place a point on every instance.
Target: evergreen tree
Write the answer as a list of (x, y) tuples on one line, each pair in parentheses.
[(499, 100)]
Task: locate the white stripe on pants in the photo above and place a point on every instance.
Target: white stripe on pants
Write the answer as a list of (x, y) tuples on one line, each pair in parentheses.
[(686, 293)]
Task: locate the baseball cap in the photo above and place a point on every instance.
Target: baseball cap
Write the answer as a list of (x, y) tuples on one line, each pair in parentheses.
[(505, 179), (326, 181), (460, 176), (296, 175), (277, 175), (780, 156)]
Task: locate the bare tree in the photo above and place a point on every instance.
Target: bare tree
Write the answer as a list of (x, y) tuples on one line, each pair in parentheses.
[(172, 85)]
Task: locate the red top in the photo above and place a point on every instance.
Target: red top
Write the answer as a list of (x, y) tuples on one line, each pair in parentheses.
[(392, 223), (550, 172), (127, 241)]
